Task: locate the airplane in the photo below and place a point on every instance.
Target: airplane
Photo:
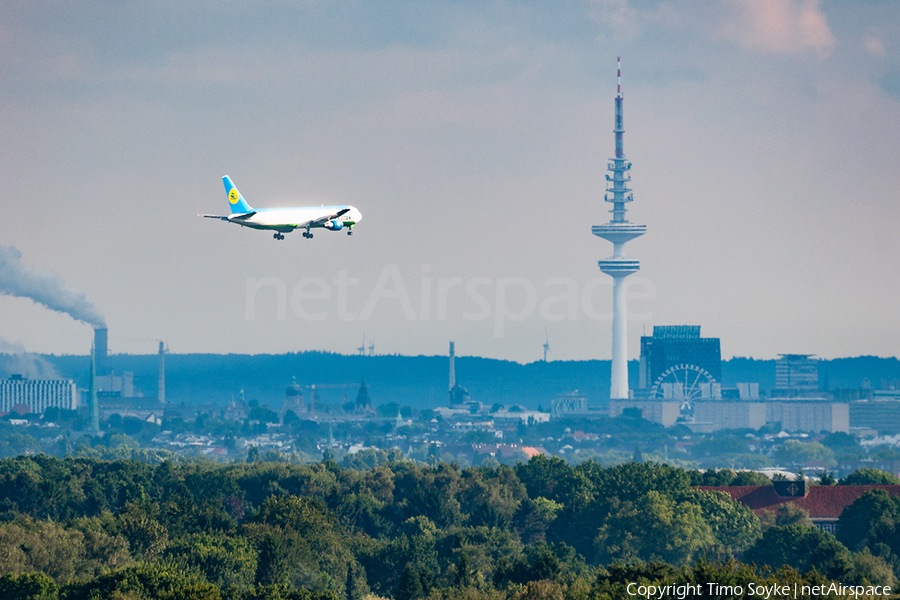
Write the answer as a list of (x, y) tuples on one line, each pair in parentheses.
[(285, 220)]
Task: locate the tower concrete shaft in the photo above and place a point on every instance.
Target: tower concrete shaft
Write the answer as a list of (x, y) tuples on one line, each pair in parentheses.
[(161, 393), (618, 379), (619, 231), (452, 366)]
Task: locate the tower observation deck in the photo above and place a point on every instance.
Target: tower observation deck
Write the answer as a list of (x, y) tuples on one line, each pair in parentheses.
[(618, 266)]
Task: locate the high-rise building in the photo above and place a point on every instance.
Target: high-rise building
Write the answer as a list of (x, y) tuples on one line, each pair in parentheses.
[(672, 346), (37, 394), (619, 231), (796, 373)]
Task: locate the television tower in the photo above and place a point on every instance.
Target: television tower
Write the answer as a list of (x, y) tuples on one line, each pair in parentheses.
[(619, 231)]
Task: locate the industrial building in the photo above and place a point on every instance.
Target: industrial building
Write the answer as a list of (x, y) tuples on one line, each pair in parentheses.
[(712, 416), (115, 386), (813, 416), (517, 415), (146, 409), (572, 404), (662, 412), (707, 415), (37, 394), (883, 417), (747, 391), (111, 394)]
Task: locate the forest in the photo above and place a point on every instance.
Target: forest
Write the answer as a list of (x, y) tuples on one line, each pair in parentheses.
[(79, 528)]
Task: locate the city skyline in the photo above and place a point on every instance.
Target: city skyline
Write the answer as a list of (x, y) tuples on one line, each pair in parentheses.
[(474, 138)]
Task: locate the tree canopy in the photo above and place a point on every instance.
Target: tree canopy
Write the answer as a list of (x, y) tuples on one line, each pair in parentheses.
[(381, 524)]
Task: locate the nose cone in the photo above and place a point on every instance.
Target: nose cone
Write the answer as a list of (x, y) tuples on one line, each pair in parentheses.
[(357, 216)]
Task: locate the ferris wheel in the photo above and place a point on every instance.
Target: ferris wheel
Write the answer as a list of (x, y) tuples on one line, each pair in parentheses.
[(685, 384)]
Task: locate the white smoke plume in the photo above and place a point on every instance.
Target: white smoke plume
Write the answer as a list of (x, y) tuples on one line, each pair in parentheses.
[(14, 359), (49, 289)]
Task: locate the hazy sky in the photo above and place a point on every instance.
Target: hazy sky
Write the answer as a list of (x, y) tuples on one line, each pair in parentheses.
[(473, 137)]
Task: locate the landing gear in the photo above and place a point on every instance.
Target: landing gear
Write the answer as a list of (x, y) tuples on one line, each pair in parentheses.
[(306, 234), (349, 231), (278, 236)]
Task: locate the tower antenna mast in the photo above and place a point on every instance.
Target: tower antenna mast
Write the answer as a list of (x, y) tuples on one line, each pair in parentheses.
[(619, 231)]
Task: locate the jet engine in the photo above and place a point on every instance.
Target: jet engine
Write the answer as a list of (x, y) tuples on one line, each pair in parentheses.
[(334, 225)]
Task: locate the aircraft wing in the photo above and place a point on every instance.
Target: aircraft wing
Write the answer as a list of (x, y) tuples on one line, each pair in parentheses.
[(232, 217), (321, 220)]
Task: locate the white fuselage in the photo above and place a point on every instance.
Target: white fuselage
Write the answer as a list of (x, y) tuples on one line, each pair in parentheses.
[(288, 219)]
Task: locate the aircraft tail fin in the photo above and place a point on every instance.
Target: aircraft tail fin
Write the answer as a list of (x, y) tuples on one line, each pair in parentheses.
[(235, 199)]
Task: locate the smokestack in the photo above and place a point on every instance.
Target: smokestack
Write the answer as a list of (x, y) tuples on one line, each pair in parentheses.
[(452, 366), (161, 394), (100, 349), (93, 405)]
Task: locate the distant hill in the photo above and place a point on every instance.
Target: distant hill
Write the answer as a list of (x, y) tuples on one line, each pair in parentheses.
[(850, 372), (838, 373), (417, 381)]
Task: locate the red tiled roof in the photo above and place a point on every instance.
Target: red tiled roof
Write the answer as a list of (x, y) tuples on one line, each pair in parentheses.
[(821, 501), (532, 452)]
